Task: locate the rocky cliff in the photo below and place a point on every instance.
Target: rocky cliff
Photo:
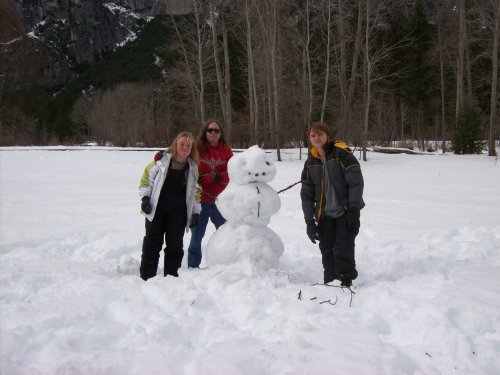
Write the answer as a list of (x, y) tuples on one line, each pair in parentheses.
[(53, 40)]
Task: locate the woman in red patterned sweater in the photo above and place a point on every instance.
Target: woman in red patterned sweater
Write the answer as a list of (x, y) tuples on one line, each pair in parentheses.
[(213, 178)]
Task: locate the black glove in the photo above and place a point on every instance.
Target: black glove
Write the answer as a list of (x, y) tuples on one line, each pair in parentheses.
[(194, 220), (146, 206), (312, 230), (217, 177), (352, 218)]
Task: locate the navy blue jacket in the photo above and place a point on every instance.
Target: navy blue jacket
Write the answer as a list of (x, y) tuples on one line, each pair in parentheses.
[(345, 176)]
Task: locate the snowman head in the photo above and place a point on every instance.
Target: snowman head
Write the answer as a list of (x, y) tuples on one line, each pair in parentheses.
[(252, 165)]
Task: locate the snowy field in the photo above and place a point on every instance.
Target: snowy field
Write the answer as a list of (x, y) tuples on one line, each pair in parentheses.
[(427, 299)]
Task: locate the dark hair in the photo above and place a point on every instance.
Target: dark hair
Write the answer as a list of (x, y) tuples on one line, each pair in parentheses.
[(202, 135), (318, 127)]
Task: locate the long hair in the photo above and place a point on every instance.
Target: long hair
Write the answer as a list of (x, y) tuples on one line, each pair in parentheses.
[(202, 136), (173, 146)]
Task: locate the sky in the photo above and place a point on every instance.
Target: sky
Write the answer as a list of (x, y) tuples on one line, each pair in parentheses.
[(427, 299)]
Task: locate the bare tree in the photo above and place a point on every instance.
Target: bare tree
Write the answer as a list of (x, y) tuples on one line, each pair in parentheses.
[(442, 84), (441, 11), (120, 116), (189, 70), (199, 27), (355, 58), (374, 55), (462, 39), (252, 86), (342, 53), (368, 79), (223, 77), (494, 78), (268, 21), (303, 31), (349, 58)]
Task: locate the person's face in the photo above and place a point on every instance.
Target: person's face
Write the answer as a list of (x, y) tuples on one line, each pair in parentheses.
[(213, 133), (184, 146), (318, 139)]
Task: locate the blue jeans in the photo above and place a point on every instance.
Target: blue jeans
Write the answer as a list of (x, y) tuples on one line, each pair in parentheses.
[(208, 211)]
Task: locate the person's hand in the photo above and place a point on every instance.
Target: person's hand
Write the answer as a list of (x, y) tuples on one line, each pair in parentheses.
[(312, 230), (217, 177), (146, 205), (352, 218), (194, 220)]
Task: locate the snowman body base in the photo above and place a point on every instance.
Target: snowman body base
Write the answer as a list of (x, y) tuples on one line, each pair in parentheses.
[(260, 246)]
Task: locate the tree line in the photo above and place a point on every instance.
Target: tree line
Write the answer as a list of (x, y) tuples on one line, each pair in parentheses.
[(379, 72)]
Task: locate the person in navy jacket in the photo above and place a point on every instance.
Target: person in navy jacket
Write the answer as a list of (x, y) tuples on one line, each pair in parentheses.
[(332, 197)]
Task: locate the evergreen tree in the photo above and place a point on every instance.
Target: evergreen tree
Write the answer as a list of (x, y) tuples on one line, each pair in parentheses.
[(415, 35), (468, 137)]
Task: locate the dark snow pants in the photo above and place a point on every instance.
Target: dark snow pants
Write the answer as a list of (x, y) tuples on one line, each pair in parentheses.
[(168, 226), (336, 242)]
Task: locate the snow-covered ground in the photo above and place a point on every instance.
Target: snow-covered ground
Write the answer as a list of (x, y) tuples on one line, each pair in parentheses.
[(427, 299)]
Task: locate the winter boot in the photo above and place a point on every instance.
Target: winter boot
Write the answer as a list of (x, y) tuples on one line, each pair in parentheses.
[(171, 272), (148, 267), (328, 277), (345, 280)]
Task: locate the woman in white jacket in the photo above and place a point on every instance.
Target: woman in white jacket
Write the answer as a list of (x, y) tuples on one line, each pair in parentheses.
[(168, 193)]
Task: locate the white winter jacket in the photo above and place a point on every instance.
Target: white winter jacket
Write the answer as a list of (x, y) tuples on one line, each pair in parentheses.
[(152, 181)]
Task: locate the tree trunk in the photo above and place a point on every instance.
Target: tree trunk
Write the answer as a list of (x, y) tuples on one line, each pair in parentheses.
[(200, 65), (197, 94), (274, 71), (270, 106), (305, 119), (220, 80), (269, 25), (343, 64), (368, 80), (252, 92), (309, 73), (327, 67), (443, 102), (354, 66), (461, 58), (494, 80), (227, 83), (468, 69)]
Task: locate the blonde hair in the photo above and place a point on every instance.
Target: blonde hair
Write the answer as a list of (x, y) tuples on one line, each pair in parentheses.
[(173, 146)]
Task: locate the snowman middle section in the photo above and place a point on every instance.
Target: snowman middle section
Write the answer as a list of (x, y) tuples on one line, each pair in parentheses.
[(252, 204)]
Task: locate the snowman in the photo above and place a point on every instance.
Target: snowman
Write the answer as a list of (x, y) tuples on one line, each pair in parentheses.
[(247, 203)]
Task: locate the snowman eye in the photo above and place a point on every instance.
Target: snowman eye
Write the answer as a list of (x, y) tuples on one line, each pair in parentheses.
[(249, 173), (263, 173), (268, 163)]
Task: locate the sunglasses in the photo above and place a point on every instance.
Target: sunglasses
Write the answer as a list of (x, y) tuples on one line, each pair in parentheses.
[(213, 130)]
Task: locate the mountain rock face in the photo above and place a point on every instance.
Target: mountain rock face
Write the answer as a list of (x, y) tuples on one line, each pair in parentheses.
[(58, 38)]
